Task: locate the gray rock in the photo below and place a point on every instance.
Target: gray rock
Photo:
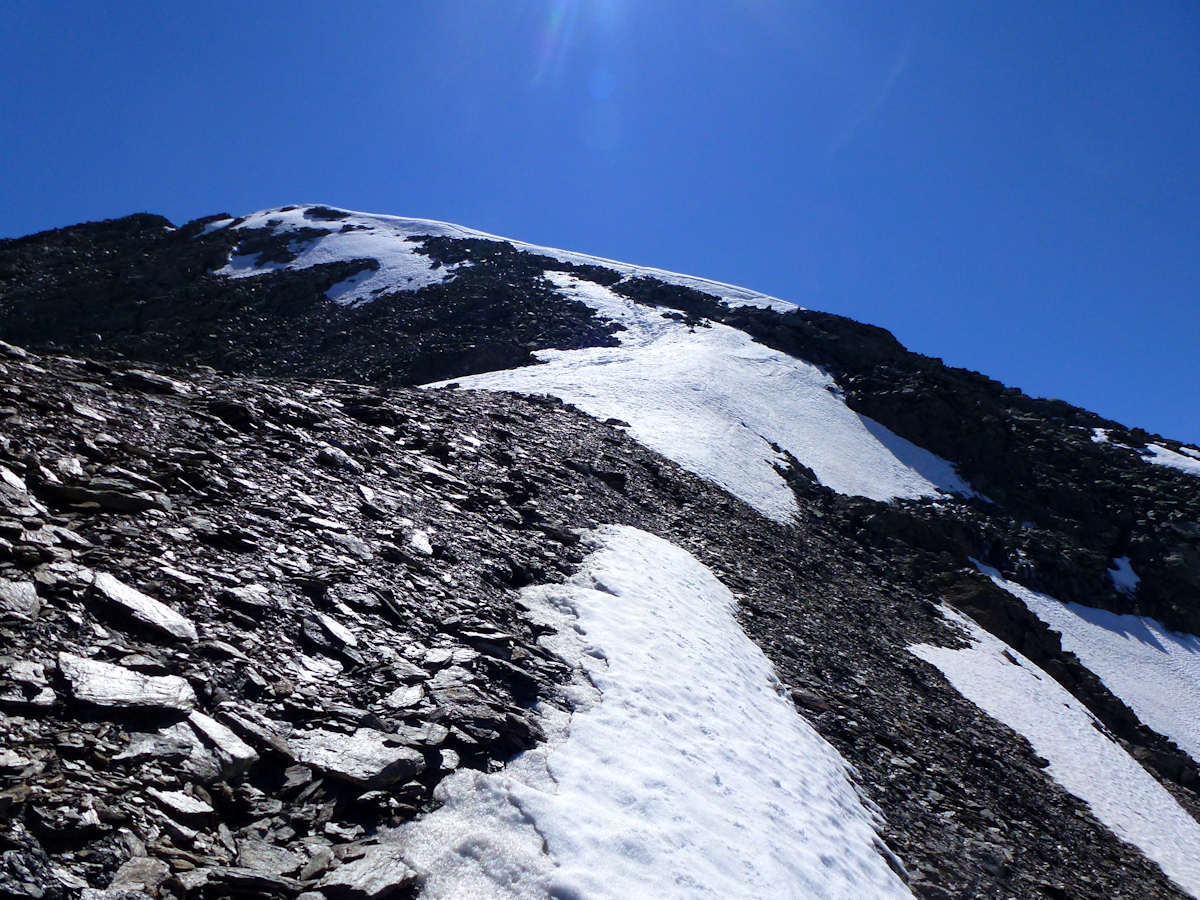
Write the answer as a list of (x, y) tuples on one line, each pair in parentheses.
[(380, 873), (263, 857), (181, 805), (103, 684), (236, 755), (144, 609), (19, 599), (337, 630), (176, 745), (366, 757), (141, 873)]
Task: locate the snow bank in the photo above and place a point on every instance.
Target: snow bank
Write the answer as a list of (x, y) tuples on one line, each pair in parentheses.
[(1164, 456), (385, 238), (683, 771), (1155, 672), (1083, 759), (714, 401)]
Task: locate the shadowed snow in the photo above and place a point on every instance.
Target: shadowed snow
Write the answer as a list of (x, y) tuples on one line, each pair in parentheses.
[(1155, 671)]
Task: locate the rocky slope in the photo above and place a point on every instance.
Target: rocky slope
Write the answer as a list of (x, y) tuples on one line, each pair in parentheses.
[(251, 621)]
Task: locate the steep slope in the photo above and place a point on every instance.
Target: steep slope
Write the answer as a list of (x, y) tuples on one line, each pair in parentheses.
[(856, 516)]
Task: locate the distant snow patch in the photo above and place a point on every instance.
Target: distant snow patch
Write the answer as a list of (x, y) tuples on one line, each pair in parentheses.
[(1123, 577), (1155, 671), (714, 400), (683, 772), (1083, 759), (401, 267), (1100, 435), (1164, 456), (216, 225)]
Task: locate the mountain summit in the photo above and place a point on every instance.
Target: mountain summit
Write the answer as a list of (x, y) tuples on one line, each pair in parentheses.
[(346, 555)]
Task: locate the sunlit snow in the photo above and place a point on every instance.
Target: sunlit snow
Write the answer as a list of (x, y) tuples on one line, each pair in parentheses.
[(401, 267), (682, 773), (1165, 456), (714, 401), (1083, 759), (1155, 671)]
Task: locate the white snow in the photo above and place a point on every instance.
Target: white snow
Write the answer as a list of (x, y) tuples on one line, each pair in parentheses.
[(385, 238), (714, 401), (1165, 456), (1083, 759), (1190, 451), (216, 225), (683, 771), (1123, 577), (1154, 671), (400, 266), (1100, 435)]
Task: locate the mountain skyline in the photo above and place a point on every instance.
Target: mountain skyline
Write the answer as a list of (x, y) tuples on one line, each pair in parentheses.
[(1010, 191)]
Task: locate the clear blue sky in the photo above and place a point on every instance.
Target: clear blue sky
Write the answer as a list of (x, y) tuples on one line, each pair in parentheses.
[(1014, 187)]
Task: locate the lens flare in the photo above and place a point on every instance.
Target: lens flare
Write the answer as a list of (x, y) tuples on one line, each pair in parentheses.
[(555, 42)]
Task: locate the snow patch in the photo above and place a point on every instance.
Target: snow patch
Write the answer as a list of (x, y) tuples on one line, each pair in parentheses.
[(1165, 456), (1154, 671), (1123, 577), (215, 225), (401, 267), (714, 401), (386, 239), (1083, 758), (683, 771)]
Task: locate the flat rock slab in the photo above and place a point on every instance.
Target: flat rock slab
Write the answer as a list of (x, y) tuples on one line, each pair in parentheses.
[(366, 757), (378, 874), (103, 684), (18, 598), (235, 754), (143, 608)]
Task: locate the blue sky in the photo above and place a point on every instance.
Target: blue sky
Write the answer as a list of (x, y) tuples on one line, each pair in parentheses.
[(1012, 187)]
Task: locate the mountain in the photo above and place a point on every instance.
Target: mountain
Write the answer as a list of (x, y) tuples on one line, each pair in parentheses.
[(346, 555)]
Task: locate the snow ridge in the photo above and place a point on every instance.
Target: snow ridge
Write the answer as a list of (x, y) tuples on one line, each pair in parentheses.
[(682, 773), (1127, 799), (387, 239)]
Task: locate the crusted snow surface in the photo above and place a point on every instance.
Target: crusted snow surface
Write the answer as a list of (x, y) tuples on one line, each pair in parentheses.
[(714, 400), (1153, 670), (1165, 456), (401, 267), (682, 772), (1083, 758)]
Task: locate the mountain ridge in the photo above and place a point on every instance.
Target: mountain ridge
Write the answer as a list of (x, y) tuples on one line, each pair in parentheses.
[(836, 596)]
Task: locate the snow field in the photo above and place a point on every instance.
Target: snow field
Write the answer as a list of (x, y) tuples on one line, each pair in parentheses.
[(683, 772), (401, 268), (1154, 671), (1083, 759), (714, 401)]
